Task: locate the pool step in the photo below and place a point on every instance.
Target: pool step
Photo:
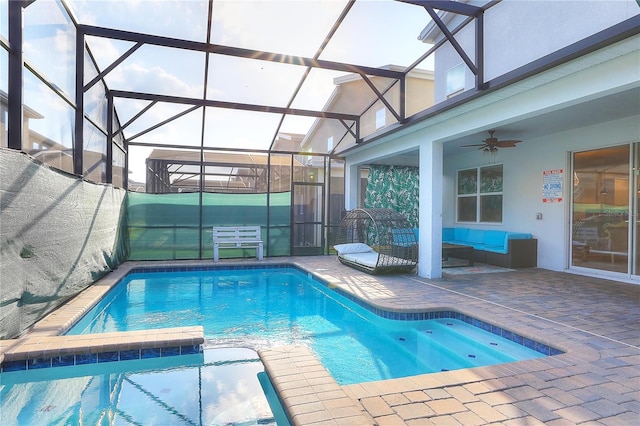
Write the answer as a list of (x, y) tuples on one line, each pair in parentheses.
[(306, 390), (41, 351)]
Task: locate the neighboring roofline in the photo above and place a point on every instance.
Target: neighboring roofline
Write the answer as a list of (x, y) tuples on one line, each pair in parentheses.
[(417, 73), (227, 149), (619, 32), (414, 73), (314, 126), (27, 110), (431, 33)]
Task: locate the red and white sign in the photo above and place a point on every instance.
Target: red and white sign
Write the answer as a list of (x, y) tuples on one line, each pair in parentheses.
[(552, 183)]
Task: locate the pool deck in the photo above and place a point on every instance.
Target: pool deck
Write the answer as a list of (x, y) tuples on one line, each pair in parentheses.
[(596, 322)]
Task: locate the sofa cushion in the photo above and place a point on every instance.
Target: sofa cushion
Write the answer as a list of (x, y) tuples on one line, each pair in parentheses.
[(403, 236), (495, 238), (475, 236), (518, 236), (352, 248), (460, 234)]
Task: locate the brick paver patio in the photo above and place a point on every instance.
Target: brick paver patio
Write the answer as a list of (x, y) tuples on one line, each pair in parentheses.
[(596, 322)]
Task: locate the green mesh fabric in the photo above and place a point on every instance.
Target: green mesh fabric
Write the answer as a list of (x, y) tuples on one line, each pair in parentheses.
[(178, 226), (58, 234)]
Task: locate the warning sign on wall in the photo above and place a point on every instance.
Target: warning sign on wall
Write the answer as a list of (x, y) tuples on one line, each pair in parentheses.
[(552, 186)]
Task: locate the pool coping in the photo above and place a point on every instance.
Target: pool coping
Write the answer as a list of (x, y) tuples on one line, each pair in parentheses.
[(44, 345), (315, 405), (62, 351)]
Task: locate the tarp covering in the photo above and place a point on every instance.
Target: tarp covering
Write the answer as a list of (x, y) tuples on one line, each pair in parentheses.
[(174, 226), (58, 235)]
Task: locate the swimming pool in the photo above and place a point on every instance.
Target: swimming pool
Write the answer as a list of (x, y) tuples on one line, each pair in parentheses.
[(258, 308), (217, 387)]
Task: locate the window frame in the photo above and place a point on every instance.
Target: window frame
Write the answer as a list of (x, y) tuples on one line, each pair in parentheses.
[(475, 192)]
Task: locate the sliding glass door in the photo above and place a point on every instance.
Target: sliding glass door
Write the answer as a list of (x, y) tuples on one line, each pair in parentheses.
[(601, 209), (635, 217)]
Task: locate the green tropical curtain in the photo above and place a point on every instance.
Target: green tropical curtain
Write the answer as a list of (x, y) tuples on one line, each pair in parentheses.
[(394, 187)]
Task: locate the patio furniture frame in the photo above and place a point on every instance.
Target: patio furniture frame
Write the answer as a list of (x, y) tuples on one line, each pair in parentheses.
[(387, 232)]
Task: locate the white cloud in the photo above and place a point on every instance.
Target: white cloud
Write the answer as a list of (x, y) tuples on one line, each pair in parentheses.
[(105, 50), (155, 79)]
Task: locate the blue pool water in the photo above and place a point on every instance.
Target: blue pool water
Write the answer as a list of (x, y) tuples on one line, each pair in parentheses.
[(217, 387), (267, 307)]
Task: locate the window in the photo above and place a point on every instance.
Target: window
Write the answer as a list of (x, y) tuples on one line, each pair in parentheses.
[(455, 80), (479, 194), (381, 116), (330, 144)]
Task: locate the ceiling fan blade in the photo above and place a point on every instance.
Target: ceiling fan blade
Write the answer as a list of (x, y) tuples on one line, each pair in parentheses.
[(475, 144), (507, 143)]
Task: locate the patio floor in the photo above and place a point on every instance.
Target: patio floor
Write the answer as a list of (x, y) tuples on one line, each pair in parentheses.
[(595, 321)]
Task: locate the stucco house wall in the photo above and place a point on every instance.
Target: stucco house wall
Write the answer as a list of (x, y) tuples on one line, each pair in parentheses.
[(519, 32), (571, 87), (522, 171), (536, 29)]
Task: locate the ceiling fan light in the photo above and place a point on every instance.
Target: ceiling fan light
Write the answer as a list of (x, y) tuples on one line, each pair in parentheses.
[(491, 144)]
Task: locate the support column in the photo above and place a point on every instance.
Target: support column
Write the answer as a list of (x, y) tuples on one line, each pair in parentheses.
[(15, 80), (78, 140), (351, 186), (109, 160), (430, 217)]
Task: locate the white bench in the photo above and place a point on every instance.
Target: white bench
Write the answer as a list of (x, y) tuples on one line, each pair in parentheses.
[(236, 237)]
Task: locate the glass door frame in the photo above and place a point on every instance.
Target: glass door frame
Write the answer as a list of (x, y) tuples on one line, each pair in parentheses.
[(634, 217), (580, 253)]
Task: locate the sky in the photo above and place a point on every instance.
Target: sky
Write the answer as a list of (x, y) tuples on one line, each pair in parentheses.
[(375, 33)]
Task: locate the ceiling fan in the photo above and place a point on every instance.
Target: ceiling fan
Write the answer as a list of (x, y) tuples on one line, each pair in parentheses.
[(491, 144)]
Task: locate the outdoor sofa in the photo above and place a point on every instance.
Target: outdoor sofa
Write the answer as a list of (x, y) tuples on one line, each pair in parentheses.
[(496, 247)]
